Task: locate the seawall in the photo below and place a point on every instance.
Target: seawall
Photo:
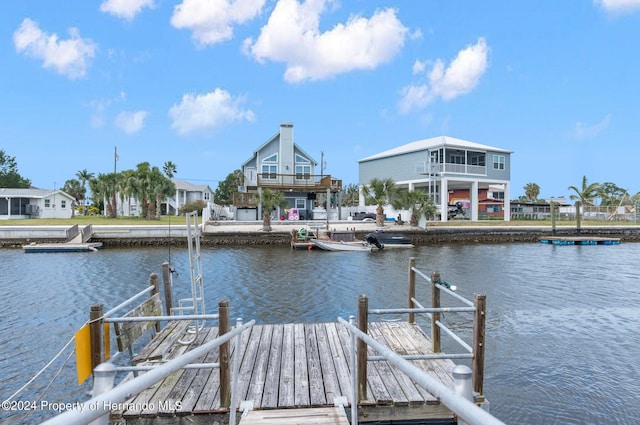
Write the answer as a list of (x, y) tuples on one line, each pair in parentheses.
[(250, 233)]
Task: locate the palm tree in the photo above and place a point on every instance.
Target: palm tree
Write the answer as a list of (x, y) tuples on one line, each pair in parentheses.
[(84, 176), (270, 200), (104, 186), (380, 192), (162, 187), (584, 196), (75, 189), (532, 190), (418, 202), (169, 169)]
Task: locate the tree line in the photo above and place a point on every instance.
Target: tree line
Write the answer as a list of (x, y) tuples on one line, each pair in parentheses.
[(608, 193)]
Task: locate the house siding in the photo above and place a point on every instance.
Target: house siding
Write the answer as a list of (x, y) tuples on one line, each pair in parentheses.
[(400, 168)]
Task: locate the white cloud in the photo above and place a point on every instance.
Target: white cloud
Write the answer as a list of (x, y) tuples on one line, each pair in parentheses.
[(125, 9), (419, 67), (69, 57), (460, 77), (131, 122), (619, 6), (292, 36), (202, 112), (212, 21), (583, 131)]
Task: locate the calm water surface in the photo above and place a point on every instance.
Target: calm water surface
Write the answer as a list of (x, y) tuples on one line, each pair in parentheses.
[(562, 326)]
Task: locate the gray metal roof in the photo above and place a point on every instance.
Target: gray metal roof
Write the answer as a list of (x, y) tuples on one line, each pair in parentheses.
[(434, 142), (183, 185), (31, 193)]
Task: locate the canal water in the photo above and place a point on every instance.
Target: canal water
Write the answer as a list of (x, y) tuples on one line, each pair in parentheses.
[(563, 322)]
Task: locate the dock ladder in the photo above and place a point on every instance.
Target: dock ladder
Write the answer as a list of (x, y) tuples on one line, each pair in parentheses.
[(194, 305)]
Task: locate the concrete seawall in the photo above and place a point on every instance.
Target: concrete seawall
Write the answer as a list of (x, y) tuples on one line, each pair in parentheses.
[(250, 233)]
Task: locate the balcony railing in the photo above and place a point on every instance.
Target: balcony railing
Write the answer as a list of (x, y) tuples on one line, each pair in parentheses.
[(309, 183), (450, 168)]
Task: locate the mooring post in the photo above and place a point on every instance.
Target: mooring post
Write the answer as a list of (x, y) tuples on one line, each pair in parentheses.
[(412, 288), (168, 287), (553, 218), (153, 281), (96, 326), (480, 304), (462, 385), (435, 316), (578, 217), (225, 372), (363, 324), (104, 377)]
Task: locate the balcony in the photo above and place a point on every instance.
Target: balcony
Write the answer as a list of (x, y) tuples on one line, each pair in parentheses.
[(308, 183), (450, 168)]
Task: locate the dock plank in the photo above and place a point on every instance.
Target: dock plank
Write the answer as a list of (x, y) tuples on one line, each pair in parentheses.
[(327, 366), (272, 378), (301, 372), (317, 396), (286, 386), (258, 376)]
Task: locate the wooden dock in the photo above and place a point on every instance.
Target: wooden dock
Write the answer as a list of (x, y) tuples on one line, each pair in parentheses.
[(289, 366), (579, 240)]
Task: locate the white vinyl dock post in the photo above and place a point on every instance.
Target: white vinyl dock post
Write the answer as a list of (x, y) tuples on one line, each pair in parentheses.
[(462, 385), (104, 376)]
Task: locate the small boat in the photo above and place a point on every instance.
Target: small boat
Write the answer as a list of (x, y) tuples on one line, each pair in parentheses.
[(340, 240), (380, 238), (329, 245)]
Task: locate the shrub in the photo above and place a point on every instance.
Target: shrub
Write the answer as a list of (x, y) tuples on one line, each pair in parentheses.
[(198, 205)]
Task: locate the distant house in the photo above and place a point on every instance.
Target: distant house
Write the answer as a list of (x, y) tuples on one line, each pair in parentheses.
[(35, 203), (281, 165), (449, 170), (185, 193)]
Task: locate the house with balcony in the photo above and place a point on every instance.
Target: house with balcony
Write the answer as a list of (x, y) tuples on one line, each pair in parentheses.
[(186, 193), (450, 170), (35, 203), (281, 165)]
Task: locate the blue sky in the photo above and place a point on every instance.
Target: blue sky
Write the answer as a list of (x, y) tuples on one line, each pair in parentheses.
[(203, 83)]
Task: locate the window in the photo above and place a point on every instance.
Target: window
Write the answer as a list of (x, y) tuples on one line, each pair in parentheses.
[(498, 162), (269, 172), (63, 204), (302, 160), (206, 196), (303, 172), (270, 169), (47, 203), (301, 203)]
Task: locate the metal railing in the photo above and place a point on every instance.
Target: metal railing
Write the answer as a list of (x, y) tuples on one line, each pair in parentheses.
[(106, 396), (459, 400)]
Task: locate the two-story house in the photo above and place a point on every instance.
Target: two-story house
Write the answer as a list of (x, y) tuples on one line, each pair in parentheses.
[(281, 165), (446, 168)]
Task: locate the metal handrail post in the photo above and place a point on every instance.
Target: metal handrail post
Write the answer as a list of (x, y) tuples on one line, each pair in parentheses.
[(354, 376), (234, 380)]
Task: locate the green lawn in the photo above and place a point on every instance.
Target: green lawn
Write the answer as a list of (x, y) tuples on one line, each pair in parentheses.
[(95, 220)]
